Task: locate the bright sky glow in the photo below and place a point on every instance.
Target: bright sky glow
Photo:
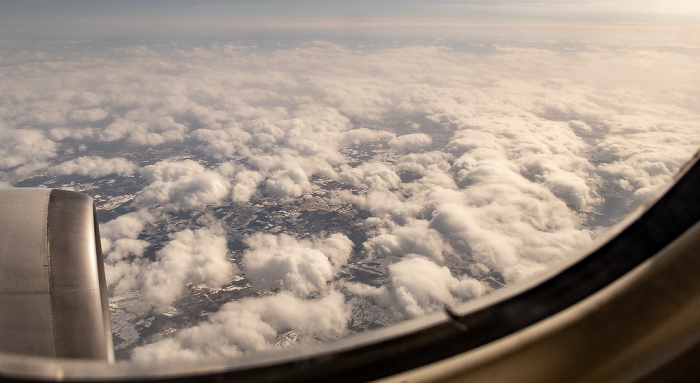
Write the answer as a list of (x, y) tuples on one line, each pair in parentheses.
[(180, 19)]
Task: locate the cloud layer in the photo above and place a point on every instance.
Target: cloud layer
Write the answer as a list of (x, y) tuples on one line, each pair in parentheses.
[(295, 182)]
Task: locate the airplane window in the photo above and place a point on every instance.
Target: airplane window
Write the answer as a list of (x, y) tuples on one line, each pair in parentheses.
[(271, 175)]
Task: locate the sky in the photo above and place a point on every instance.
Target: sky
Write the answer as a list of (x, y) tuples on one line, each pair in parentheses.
[(210, 19), (463, 140)]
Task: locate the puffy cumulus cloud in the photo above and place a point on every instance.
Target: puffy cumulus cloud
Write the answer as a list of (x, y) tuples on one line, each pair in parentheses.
[(322, 119), (632, 164), (418, 285), (479, 203), (117, 130), (127, 225), (301, 266), (515, 232), (417, 162), (86, 100), (389, 208), (429, 169), (24, 147), (281, 144), (87, 115), (410, 142), (229, 169), (158, 131), (265, 134), (79, 134), (370, 175), (244, 185), (286, 160), (123, 248), (414, 238), (253, 324), (182, 185), (226, 142), (506, 150), (288, 183), (493, 198), (119, 240), (462, 227), (191, 256), (570, 189), (364, 135), (167, 171), (95, 167)]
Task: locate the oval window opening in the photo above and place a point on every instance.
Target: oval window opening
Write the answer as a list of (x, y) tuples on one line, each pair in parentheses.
[(274, 181)]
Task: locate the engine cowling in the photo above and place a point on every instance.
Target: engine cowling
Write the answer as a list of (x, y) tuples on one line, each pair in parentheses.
[(53, 297)]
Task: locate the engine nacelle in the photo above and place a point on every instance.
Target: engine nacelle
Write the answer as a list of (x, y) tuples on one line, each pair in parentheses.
[(53, 297)]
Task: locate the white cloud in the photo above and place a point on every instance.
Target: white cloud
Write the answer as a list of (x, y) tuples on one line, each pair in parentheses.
[(384, 204), (570, 189), (171, 170), (252, 324), (225, 142), (413, 238), (300, 266), (191, 256), (88, 115), (418, 286), (633, 164), (24, 147), (410, 142), (81, 134), (433, 168), (182, 185), (86, 99), (364, 135), (126, 226), (119, 240), (122, 248), (95, 167), (461, 226), (118, 130), (370, 175), (244, 185), (161, 130), (288, 183), (516, 234)]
